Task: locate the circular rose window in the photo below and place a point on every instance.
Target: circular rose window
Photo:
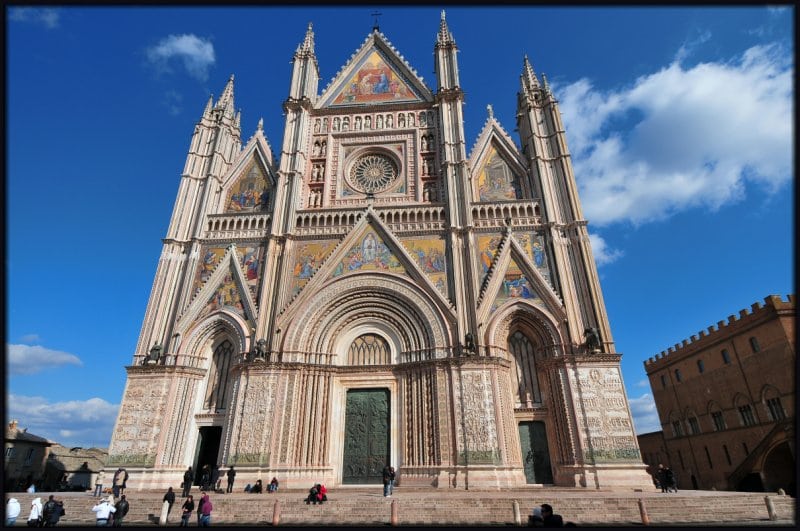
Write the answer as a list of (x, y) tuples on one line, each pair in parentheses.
[(373, 173)]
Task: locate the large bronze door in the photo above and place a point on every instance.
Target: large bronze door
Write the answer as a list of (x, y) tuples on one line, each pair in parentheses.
[(366, 436), (535, 457)]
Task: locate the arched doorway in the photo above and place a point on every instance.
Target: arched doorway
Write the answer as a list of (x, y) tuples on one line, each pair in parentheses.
[(535, 454), (778, 469)]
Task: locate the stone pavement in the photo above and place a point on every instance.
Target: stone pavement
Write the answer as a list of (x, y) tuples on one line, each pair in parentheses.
[(366, 506)]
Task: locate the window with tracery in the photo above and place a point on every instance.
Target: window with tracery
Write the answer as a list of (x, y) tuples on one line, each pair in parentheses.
[(369, 349), (218, 376), (527, 379)]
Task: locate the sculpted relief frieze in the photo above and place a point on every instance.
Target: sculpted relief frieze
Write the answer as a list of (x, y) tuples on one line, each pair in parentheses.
[(477, 431), (140, 423)]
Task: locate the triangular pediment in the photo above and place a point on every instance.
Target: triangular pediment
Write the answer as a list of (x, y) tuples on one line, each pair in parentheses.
[(371, 247), (249, 184), (375, 74), (515, 277), (498, 170), (225, 290)]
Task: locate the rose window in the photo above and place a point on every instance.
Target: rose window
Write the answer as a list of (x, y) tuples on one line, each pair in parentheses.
[(373, 173)]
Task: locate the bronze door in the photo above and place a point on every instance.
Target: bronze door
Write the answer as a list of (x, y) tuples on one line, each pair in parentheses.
[(535, 457), (366, 436)]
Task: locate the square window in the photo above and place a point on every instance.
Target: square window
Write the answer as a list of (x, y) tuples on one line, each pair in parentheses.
[(677, 428)]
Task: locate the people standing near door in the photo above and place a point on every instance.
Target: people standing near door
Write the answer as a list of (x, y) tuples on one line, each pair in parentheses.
[(392, 476), (186, 511), (205, 477), (188, 478), (215, 478), (387, 471), (169, 498), (231, 477), (205, 511)]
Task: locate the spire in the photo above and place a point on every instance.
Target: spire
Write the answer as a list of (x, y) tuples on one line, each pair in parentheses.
[(260, 126), (237, 122), (490, 111), (528, 75), (225, 101), (308, 42), (544, 84), (444, 36), (209, 106)]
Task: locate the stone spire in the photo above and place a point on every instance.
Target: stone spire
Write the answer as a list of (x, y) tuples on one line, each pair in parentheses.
[(529, 81), (545, 85), (209, 106), (237, 121), (260, 126), (225, 101), (307, 46), (444, 36), (490, 111)]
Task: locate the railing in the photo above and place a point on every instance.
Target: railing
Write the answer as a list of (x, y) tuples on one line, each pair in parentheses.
[(496, 214), (237, 225)]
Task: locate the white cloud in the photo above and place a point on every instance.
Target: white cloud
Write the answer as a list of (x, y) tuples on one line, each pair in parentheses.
[(645, 415), (47, 17), (688, 47), (682, 138), (195, 53), (74, 423), (602, 253), (30, 359), (30, 338), (643, 383)]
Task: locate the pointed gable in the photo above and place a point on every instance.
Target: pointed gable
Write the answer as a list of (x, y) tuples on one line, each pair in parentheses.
[(309, 257), (369, 253), (375, 74), (431, 257), (497, 167), (487, 246)]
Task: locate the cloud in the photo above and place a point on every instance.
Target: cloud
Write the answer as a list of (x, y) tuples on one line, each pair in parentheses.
[(602, 253), (83, 423), (195, 53), (643, 383), (688, 47), (47, 17), (682, 137), (30, 338), (645, 415), (30, 359)]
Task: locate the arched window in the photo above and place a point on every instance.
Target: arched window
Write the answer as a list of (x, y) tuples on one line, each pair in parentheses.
[(218, 376), (527, 379), (369, 349)]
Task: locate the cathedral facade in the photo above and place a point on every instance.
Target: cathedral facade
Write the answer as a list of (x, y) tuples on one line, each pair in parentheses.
[(376, 295)]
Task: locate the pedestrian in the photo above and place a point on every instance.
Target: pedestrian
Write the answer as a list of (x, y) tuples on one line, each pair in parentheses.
[(672, 481), (386, 481), (549, 519), (231, 477), (273, 485), (205, 511), (258, 488), (535, 519), (312, 495), (661, 475), (188, 478), (187, 509), (215, 478), (392, 476), (12, 511), (205, 477), (124, 481), (122, 508), (98, 484), (48, 509), (116, 482), (103, 511), (35, 516), (169, 497)]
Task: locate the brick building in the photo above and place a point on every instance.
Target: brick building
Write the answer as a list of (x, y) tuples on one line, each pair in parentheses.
[(25, 456), (725, 399)]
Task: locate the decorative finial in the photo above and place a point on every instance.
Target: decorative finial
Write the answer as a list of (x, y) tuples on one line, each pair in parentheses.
[(490, 110), (260, 126), (375, 26)]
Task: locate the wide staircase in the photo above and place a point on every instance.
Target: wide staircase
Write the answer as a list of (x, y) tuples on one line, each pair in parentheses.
[(368, 506)]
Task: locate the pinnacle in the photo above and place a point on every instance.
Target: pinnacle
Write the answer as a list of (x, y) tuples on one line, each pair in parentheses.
[(308, 41), (444, 36), (528, 75), (226, 99)]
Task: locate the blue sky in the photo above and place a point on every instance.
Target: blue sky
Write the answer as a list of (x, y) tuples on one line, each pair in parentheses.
[(680, 122)]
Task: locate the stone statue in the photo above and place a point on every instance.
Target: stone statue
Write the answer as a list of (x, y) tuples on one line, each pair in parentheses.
[(154, 355), (469, 343), (592, 337), (260, 351)]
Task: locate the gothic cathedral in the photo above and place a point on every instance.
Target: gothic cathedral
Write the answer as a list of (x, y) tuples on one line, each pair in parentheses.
[(376, 296)]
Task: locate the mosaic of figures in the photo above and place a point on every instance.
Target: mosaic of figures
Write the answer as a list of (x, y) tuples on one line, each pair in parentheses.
[(368, 122), (487, 247), (374, 81), (533, 244), (226, 297), (515, 286), (496, 181), (431, 259), (308, 259), (249, 259), (250, 192), (370, 253)]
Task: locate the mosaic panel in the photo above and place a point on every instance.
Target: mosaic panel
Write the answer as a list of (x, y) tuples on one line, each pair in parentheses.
[(487, 247), (373, 81), (210, 261), (496, 181), (431, 258), (533, 243), (250, 192), (226, 297), (308, 258), (515, 286), (370, 253)]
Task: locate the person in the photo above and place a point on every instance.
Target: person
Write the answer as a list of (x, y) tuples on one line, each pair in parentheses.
[(248, 487), (48, 509), (672, 481), (231, 476), (169, 497), (535, 519), (205, 477), (31, 489), (103, 511), (188, 478), (116, 482), (273, 485), (122, 508), (187, 509), (257, 488), (661, 476), (12, 512), (312, 495), (386, 481), (35, 516), (392, 476), (215, 478), (549, 519), (124, 481), (98, 484), (205, 511)]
